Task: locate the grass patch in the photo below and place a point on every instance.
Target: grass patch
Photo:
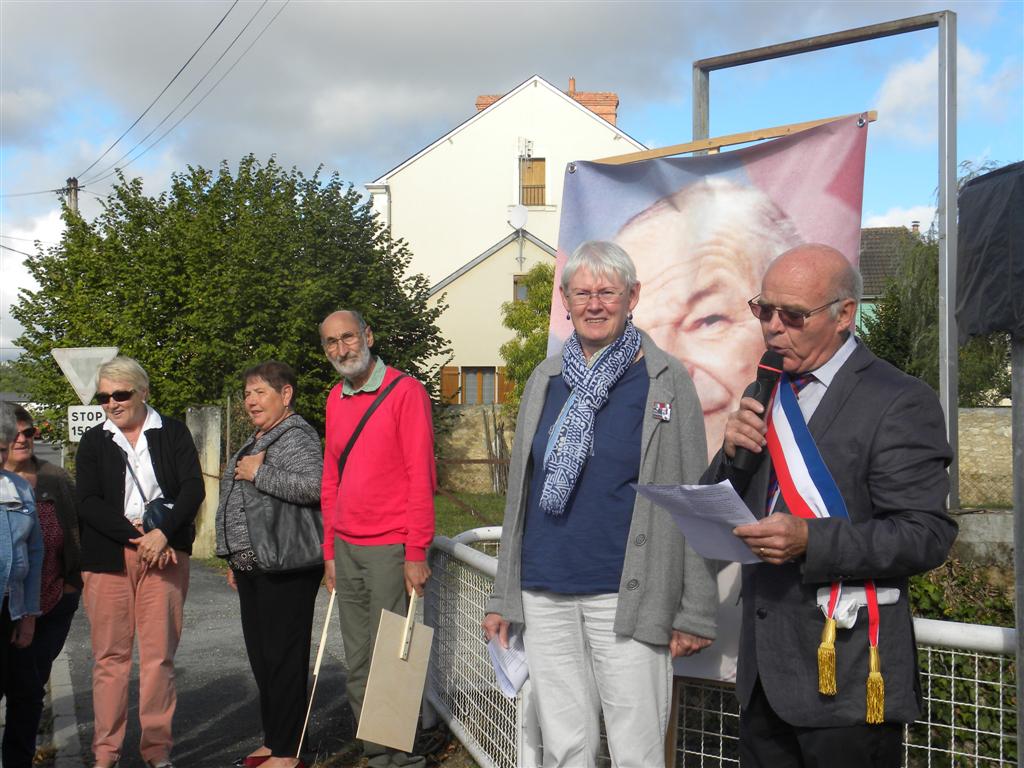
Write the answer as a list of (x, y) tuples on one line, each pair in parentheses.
[(467, 510)]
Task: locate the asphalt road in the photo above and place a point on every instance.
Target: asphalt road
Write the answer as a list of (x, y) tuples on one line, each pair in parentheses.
[(217, 718)]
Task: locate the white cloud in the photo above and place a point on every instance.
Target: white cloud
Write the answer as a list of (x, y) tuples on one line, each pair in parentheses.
[(901, 217), (47, 229), (908, 97), (20, 110)]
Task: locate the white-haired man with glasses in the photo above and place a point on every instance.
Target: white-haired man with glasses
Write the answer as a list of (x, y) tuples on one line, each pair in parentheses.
[(377, 496), (851, 502)]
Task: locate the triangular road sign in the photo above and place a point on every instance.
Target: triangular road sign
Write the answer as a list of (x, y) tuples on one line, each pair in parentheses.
[(80, 364)]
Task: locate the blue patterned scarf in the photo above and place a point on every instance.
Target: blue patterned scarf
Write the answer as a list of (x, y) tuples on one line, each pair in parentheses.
[(572, 434)]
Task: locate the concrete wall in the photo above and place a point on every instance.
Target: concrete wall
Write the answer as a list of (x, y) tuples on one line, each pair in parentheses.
[(464, 438), (204, 423), (986, 457)]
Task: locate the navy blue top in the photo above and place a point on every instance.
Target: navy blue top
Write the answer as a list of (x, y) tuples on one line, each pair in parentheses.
[(581, 551)]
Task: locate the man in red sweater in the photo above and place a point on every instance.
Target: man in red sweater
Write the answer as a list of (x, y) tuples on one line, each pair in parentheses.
[(379, 510)]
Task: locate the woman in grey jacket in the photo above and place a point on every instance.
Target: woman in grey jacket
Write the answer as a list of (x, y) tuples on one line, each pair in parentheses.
[(269, 530), (604, 583)]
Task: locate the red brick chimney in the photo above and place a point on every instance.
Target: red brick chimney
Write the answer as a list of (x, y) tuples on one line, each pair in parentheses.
[(604, 104)]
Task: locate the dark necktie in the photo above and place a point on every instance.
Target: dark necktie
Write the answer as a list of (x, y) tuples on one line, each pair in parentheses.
[(798, 383)]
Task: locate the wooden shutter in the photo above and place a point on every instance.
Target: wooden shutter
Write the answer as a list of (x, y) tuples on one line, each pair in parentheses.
[(450, 385)]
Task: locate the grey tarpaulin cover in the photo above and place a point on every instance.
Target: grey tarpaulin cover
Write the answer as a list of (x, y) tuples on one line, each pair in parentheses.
[(990, 270)]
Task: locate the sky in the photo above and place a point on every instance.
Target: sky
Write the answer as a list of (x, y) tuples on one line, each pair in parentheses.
[(360, 86)]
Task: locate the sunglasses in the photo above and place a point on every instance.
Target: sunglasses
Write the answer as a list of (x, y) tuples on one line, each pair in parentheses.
[(121, 396), (791, 318), (29, 432)]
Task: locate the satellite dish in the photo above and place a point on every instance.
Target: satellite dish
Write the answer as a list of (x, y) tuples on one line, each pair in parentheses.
[(517, 216)]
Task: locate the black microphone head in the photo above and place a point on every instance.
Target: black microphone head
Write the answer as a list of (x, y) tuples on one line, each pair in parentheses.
[(770, 367)]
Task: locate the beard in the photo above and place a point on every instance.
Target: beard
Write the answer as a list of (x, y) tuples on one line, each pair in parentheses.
[(355, 364)]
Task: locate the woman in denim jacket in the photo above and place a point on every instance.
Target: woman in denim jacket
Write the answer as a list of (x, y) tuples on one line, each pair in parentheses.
[(21, 553)]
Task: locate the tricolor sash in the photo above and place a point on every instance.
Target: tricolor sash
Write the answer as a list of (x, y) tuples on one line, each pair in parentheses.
[(810, 491)]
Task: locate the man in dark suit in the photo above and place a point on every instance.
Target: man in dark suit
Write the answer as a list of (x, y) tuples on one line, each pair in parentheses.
[(881, 436)]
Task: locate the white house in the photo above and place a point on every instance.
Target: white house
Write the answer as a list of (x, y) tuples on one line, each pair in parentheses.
[(452, 201)]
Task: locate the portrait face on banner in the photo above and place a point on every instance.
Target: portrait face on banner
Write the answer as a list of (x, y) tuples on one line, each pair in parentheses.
[(703, 230), (700, 255)]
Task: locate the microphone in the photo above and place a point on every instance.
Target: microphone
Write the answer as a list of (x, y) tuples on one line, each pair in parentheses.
[(769, 370)]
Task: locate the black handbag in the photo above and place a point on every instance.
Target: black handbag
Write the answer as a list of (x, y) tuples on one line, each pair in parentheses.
[(156, 512), (284, 536)]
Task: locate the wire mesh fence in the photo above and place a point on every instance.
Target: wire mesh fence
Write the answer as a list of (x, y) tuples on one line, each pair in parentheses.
[(968, 678)]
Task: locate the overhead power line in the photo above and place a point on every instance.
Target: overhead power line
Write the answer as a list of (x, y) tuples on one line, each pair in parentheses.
[(29, 194), (146, 111), (117, 163), (201, 100), (15, 250)]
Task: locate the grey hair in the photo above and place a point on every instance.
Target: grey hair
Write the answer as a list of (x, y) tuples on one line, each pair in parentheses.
[(123, 368), (356, 315), (603, 258), (8, 424), (848, 284)]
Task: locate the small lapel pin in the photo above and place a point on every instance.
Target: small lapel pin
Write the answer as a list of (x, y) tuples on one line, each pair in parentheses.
[(663, 411)]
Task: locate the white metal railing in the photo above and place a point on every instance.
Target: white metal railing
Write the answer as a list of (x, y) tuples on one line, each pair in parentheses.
[(967, 674)]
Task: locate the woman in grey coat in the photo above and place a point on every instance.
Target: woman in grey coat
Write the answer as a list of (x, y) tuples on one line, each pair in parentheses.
[(269, 530), (603, 582)]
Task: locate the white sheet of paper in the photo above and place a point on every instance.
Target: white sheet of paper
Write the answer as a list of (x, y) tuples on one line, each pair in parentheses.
[(509, 663), (706, 514)]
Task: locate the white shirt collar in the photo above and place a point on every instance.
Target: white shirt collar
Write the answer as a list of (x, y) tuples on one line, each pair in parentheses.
[(825, 373), (153, 421)]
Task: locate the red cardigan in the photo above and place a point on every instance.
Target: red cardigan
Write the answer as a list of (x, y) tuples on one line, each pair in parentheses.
[(386, 494)]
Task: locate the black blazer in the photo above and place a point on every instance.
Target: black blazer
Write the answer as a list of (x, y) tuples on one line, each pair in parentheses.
[(100, 481), (883, 438)]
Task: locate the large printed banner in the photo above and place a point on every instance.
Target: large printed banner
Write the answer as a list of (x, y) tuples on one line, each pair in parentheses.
[(702, 231)]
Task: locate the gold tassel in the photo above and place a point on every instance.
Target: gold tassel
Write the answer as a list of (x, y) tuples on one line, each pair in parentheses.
[(827, 659), (876, 688)]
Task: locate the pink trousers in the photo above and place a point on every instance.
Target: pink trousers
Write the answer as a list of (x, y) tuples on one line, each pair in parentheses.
[(147, 603)]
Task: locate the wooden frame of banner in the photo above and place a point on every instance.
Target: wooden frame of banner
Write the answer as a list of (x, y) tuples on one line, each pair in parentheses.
[(713, 145), (398, 672)]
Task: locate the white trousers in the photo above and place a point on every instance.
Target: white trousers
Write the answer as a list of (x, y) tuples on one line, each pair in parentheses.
[(580, 668)]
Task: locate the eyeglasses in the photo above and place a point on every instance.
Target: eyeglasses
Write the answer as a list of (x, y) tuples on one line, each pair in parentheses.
[(28, 432), (121, 396), (606, 297), (791, 318), (349, 339)]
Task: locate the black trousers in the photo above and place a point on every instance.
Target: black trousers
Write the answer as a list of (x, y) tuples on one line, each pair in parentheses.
[(29, 669), (767, 741), (277, 624), (6, 633)]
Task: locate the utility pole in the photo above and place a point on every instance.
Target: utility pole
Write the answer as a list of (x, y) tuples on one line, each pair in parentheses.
[(72, 190)]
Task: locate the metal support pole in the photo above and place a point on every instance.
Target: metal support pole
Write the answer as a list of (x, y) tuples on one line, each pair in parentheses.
[(946, 213), (1017, 379), (945, 21)]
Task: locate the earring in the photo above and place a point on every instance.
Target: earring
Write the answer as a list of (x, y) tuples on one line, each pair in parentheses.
[(630, 317), (568, 316)]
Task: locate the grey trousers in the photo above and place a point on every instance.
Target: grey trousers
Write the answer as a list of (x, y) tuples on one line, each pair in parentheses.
[(368, 580)]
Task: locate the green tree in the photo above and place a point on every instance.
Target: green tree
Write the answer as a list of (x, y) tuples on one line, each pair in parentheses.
[(221, 271), (529, 319), (905, 331)]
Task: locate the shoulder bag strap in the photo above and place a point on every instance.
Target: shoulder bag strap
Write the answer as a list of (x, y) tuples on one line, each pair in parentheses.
[(362, 423), (128, 463)]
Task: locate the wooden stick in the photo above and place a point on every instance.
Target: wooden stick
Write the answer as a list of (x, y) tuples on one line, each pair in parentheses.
[(410, 619), (316, 671), (725, 141)]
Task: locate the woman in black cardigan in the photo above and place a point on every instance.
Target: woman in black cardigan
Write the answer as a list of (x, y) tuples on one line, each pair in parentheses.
[(135, 580)]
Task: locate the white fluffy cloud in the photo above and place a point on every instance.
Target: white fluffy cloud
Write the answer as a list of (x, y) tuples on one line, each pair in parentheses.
[(908, 97), (902, 217), (47, 230)]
